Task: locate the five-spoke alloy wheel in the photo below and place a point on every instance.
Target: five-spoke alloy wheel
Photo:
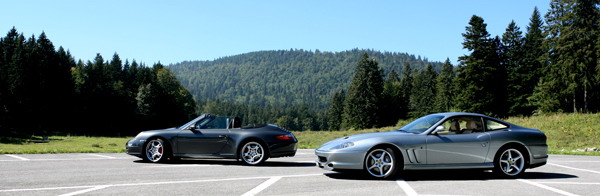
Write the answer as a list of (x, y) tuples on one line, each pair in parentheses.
[(510, 163), (253, 153), (155, 150), (380, 163)]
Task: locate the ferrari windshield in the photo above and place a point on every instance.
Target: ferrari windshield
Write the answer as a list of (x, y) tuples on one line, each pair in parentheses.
[(422, 124), (192, 122)]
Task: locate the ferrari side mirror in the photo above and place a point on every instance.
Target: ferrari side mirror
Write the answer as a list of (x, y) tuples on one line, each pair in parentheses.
[(438, 129)]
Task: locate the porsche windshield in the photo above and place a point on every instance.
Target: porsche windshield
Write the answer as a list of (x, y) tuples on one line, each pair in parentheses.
[(422, 124), (193, 121)]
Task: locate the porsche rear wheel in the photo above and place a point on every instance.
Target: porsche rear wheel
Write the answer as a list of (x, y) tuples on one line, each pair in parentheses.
[(381, 163), (510, 162), (253, 153), (156, 151)]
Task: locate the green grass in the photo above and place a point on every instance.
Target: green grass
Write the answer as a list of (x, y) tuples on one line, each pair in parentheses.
[(565, 132), (62, 144)]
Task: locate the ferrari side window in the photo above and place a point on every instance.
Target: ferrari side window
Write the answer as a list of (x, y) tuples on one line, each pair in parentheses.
[(493, 125), (463, 125)]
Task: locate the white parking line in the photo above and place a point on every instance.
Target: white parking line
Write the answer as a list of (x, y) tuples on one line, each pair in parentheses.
[(84, 191), (576, 183), (586, 170), (157, 183), (547, 187), (262, 186), (102, 156), (17, 157), (191, 165), (406, 188)]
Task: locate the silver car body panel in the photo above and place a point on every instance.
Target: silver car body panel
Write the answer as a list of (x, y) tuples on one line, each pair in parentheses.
[(432, 151)]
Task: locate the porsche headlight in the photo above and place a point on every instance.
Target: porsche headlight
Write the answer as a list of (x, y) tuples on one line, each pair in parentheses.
[(343, 145)]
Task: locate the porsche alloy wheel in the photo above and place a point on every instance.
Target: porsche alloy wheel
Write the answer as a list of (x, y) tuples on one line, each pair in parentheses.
[(379, 163), (155, 150), (253, 153)]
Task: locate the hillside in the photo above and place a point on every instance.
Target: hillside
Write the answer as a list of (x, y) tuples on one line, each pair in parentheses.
[(283, 77)]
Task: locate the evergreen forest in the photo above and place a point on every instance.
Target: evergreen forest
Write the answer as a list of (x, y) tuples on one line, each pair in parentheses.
[(44, 91), (549, 66)]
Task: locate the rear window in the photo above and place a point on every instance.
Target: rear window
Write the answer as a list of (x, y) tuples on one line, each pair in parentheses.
[(492, 125)]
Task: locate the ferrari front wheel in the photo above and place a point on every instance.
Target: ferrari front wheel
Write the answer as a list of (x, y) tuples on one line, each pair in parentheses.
[(381, 163)]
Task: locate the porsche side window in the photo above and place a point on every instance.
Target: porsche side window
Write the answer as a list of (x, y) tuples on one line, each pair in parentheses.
[(493, 125), (202, 123), (214, 123)]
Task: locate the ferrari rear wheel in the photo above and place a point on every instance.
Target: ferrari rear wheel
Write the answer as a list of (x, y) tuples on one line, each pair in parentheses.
[(253, 153), (156, 151), (510, 163), (380, 163)]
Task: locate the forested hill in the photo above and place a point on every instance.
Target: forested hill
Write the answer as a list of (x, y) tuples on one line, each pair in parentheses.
[(283, 77)]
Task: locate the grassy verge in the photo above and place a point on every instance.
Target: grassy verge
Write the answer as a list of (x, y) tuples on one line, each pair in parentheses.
[(60, 144), (565, 132)]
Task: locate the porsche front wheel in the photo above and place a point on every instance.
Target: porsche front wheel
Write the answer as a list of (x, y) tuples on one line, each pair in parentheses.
[(156, 151)]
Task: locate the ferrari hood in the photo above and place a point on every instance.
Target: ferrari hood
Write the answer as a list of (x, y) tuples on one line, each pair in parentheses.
[(355, 138)]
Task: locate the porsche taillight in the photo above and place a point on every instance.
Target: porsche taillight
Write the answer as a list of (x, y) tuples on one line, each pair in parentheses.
[(285, 137)]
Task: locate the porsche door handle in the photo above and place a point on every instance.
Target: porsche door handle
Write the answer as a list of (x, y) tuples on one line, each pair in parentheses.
[(222, 136)]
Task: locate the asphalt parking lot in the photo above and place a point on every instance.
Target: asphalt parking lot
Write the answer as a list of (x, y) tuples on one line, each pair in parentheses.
[(121, 174)]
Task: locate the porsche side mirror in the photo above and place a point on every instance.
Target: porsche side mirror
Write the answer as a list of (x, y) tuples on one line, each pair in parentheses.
[(191, 128), (438, 129)]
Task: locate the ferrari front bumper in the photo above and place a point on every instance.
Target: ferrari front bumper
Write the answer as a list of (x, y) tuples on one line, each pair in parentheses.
[(339, 159)]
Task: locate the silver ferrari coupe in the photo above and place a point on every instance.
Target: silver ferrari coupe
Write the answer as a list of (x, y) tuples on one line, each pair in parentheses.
[(439, 141)]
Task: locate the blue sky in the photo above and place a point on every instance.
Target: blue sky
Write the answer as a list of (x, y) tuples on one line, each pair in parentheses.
[(174, 31)]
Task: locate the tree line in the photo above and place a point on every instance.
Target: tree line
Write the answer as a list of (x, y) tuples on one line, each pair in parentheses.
[(552, 68), (45, 91)]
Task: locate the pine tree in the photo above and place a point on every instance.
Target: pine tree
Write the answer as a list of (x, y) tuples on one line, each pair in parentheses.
[(481, 78), (391, 109), (572, 28), (423, 95), (512, 58), (445, 91), (406, 84), (336, 110), (530, 69), (364, 95)]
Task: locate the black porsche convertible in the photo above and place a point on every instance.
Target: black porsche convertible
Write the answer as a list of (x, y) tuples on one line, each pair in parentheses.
[(210, 136)]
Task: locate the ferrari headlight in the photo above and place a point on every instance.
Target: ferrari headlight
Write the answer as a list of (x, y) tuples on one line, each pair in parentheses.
[(343, 145)]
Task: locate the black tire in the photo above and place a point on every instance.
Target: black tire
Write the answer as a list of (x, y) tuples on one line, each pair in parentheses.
[(510, 162), (156, 150), (253, 153), (381, 163)]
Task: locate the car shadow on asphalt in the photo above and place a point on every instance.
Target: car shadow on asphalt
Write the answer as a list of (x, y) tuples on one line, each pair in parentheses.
[(443, 175), (222, 162)]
